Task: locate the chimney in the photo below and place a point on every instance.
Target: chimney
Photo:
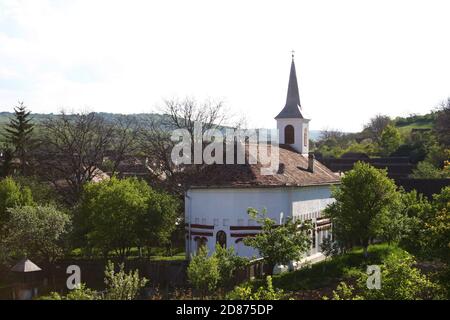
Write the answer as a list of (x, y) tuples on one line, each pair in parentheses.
[(311, 162)]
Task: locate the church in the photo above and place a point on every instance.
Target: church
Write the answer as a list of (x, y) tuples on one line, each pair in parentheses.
[(216, 202)]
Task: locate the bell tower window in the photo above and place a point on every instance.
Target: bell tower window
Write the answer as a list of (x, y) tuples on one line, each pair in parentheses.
[(289, 137)]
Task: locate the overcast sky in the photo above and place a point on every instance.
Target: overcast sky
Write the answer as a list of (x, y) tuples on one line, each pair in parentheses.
[(354, 59)]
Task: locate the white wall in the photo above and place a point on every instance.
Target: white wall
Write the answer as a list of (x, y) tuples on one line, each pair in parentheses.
[(228, 207)]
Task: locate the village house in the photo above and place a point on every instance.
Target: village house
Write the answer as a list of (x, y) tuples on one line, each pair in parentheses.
[(217, 200)]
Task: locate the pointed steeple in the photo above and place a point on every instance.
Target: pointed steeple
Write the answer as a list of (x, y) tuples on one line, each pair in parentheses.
[(292, 109)]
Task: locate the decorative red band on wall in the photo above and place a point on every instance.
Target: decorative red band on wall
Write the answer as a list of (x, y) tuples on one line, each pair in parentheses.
[(204, 234), (245, 228), (200, 226), (243, 235)]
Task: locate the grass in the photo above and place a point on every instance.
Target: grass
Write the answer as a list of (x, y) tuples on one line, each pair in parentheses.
[(157, 254), (332, 271)]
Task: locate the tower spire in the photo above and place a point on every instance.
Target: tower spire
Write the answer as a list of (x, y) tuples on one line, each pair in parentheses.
[(292, 109)]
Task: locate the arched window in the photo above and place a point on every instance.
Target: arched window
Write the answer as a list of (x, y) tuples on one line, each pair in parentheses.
[(221, 239), (289, 135)]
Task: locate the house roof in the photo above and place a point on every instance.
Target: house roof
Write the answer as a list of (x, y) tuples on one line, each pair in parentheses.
[(292, 109), (25, 266), (292, 172)]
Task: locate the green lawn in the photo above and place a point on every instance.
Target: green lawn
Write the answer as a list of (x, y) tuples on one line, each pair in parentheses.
[(332, 271)]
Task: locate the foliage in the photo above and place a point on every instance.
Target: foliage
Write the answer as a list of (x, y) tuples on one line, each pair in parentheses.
[(280, 244), (365, 202), (121, 285), (400, 280), (159, 221), (428, 234), (119, 214), (390, 140), (203, 271), (81, 293), (228, 263), (442, 124), (426, 170), (110, 213), (342, 266), (19, 133), (38, 232), (12, 194), (42, 191), (247, 292)]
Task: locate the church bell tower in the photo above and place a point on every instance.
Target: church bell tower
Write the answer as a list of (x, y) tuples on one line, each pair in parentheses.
[(293, 128)]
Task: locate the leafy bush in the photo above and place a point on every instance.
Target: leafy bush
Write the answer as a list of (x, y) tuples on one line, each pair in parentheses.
[(121, 285), (247, 292), (203, 272)]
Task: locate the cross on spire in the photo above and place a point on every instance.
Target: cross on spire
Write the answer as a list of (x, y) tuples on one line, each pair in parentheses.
[(293, 54)]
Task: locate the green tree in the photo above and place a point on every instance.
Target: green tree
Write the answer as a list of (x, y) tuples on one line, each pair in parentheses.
[(121, 285), (400, 280), (12, 194), (426, 170), (203, 272), (443, 123), (159, 221), (19, 133), (390, 140), (364, 202), (38, 232), (110, 213), (280, 244)]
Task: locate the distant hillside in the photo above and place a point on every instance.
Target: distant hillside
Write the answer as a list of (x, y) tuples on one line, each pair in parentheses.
[(405, 125)]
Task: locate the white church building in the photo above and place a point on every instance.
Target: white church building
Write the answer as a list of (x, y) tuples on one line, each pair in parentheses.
[(216, 202)]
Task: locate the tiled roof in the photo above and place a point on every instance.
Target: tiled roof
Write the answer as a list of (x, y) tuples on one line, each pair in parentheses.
[(293, 171)]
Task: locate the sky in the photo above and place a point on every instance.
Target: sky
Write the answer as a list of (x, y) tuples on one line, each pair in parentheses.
[(354, 59)]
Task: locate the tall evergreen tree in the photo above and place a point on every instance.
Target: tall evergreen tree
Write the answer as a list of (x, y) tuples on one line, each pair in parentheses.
[(19, 133)]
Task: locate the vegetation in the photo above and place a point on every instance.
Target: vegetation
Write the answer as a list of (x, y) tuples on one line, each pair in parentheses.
[(365, 207), (279, 244), (119, 286), (203, 272), (247, 292), (19, 134), (121, 214)]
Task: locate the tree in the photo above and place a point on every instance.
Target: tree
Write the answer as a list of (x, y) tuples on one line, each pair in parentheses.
[(364, 202), (19, 134), (279, 244), (110, 213), (157, 145), (426, 170), (38, 232), (203, 272), (159, 221), (12, 194), (376, 126), (390, 140), (121, 285), (442, 124), (73, 148)]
